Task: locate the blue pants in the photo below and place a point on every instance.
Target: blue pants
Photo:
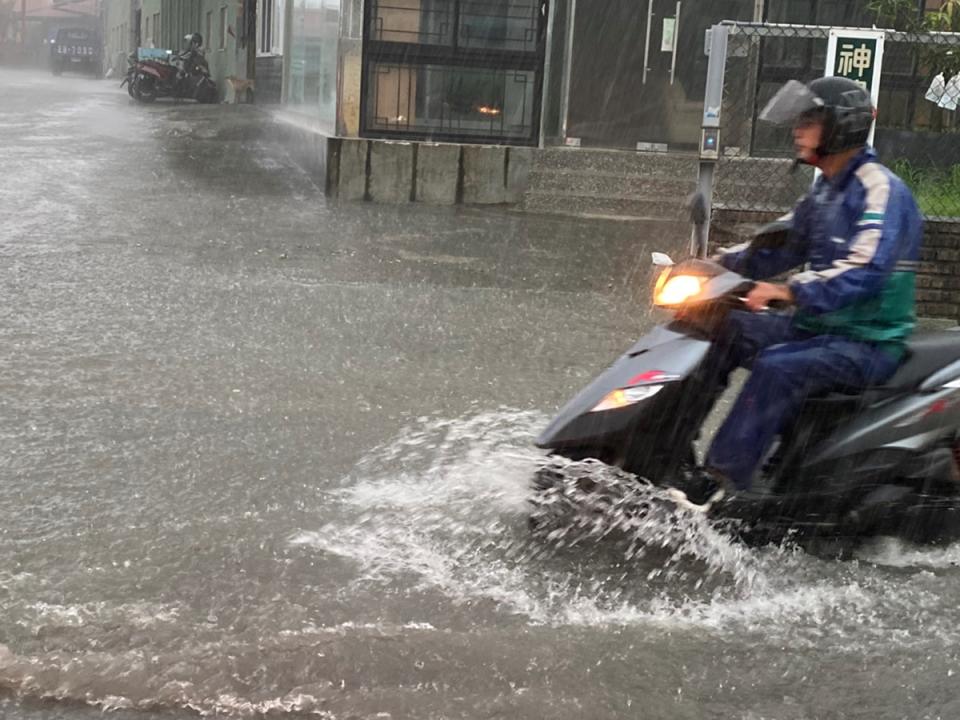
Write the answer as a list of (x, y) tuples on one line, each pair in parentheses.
[(787, 366)]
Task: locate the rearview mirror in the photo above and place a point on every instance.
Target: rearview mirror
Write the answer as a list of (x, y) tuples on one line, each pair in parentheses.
[(772, 235)]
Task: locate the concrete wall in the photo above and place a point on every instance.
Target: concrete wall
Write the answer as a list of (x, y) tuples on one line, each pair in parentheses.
[(226, 61), (434, 173), (269, 74), (118, 35), (150, 34), (938, 285)]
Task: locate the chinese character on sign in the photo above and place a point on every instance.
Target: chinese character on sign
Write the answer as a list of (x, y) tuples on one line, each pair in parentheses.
[(857, 55), (854, 59), (857, 59)]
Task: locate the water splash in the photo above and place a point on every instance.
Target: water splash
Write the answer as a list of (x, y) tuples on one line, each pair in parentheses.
[(893, 552), (449, 502), (446, 507), (581, 502)]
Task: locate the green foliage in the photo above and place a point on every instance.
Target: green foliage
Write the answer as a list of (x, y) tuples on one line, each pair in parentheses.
[(898, 14), (904, 15), (937, 190), (946, 19)]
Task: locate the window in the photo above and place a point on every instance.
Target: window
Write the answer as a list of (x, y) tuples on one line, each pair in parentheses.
[(270, 27), (157, 40), (461, 70), (223, 28), (147, 37), (207, 29)]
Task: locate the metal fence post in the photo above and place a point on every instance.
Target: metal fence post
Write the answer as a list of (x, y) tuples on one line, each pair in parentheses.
[(710, 136), (567, 70)]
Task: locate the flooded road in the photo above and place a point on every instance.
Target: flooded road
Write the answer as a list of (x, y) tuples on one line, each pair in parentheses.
[(269, 456)]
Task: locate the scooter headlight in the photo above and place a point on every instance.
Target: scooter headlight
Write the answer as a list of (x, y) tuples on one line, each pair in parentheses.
[(624, 397), (676, 290)]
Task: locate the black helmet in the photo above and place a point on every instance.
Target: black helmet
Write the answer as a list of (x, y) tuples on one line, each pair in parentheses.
[(844, 106)]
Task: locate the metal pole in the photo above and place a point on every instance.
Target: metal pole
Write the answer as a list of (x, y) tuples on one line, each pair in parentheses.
[(676, 39), (567, 69), (547, 71), (288, 48), (710, 139), (646, 47), (250, 31)]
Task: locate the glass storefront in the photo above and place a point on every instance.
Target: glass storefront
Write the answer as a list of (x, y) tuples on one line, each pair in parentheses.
[(630, 74), (314, 39), (638, 70), (638, 67), (459, 70), (439, 100)]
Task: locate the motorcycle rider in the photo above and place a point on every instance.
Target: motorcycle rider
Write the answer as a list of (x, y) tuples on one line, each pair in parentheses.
[(859, 232)]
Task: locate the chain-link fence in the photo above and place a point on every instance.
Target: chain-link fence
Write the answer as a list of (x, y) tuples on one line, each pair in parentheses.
[(918, 128)]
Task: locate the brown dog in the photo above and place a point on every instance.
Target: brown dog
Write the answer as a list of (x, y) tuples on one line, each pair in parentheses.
[(241, 85)]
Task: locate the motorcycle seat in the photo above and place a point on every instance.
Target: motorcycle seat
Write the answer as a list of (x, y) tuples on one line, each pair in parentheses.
[(926, 354)]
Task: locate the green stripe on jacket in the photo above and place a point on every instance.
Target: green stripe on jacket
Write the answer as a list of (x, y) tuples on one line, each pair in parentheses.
[(885, 318)]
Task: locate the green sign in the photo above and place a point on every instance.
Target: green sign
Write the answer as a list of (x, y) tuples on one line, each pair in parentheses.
[(856, 59)]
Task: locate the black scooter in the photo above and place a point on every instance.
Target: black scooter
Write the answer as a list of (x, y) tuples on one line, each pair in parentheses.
[(885, 461)]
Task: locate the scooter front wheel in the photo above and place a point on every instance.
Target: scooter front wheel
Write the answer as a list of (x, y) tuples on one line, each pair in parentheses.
[(206, 92)]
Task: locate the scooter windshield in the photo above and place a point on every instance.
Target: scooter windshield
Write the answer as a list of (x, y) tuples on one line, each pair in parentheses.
[(791, 101)]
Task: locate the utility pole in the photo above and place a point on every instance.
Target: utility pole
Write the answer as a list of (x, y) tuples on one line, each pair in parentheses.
[(251, 20)]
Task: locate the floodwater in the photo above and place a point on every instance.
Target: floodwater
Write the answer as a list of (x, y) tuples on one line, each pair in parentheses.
[(268, 456)]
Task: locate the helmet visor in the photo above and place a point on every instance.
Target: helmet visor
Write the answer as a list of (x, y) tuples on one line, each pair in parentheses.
[(791, 101)]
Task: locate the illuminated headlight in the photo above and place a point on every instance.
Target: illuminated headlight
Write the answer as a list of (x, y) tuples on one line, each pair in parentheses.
[(678, 289), (624, 397)]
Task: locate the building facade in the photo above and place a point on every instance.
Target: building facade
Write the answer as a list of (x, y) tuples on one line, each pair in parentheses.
[(614, 74), (229, 30), (595, 73)]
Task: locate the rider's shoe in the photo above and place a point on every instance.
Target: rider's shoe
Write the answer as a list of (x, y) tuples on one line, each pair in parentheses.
[(702, 488)]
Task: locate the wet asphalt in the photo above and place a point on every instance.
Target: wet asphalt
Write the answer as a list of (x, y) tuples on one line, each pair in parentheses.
[(268, 455)]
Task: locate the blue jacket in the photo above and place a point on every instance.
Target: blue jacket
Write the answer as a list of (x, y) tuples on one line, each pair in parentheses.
[(859, 236)]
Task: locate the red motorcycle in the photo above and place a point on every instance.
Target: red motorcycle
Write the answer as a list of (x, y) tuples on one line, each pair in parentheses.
[(163, 73)]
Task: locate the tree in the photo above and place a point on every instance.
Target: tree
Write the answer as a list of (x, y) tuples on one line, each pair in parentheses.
[(908, 16), (930, 59)]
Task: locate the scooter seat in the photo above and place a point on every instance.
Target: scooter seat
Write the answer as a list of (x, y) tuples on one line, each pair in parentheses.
[(925, 355)]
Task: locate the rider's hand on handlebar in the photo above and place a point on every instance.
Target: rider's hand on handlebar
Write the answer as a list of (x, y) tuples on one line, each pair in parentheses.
[(764, 293)]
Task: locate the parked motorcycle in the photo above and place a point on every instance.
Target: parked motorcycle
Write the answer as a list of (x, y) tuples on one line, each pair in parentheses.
[(882, 461), (163, 73)]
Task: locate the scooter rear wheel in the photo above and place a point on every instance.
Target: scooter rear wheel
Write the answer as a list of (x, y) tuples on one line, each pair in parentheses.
[(144, 88)]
